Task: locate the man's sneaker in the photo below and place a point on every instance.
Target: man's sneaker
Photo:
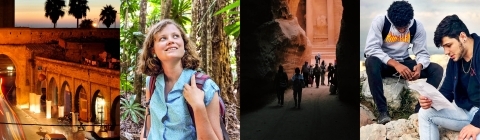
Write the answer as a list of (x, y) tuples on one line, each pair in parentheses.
[(383, 118)]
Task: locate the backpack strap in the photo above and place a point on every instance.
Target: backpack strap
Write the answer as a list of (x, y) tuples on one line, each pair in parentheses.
[(413, 30), (151, 88), (386, 28), (200, 80)]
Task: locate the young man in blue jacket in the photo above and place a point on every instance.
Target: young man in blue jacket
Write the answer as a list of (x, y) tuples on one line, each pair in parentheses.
[(461, 83), (386, 52)]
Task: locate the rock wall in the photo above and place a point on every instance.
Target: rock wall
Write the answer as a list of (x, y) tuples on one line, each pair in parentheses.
[(274, 39)]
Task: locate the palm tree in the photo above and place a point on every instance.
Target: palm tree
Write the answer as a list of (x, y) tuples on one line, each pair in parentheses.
[(78, 8), (86, 23), (54, 10), (108, 15)]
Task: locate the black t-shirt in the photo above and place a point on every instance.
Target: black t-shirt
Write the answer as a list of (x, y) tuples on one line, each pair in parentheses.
[(469, 83)]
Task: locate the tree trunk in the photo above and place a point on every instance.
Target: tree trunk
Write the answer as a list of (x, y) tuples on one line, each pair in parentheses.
[(201, 26), (166, 4), (221, 71), (138, 82), (77, 22), (54, 25), (347, 53)]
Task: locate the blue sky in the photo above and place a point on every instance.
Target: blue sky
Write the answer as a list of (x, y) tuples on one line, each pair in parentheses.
[(429, 12), (31, 13)]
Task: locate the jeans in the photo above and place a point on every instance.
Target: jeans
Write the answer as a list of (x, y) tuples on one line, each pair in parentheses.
[(305, 78), (280, 95), (297, 93), (377, 70), (452, 119)]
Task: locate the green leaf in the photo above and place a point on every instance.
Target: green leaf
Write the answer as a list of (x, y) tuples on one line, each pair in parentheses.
[(228, 7)]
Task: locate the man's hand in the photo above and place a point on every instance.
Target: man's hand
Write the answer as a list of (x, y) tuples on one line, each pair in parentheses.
[(416, 71), (404, 71), (425, 103), (468, 132)]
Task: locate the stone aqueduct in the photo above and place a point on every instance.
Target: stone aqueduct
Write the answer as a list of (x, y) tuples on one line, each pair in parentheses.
[(67, 85)]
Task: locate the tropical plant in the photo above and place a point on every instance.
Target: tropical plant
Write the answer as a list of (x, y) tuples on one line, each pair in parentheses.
[(108, 15), (131, 110), (54, 10), (86, 23), (125, 84), (180, 12), (233, 18), (78, 8)]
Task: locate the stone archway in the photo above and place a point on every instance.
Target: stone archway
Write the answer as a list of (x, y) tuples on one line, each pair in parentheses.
[(21, 64), (97, 107), (8, 77), (52, 98), (80, 103), (115, 115), (65, 102)]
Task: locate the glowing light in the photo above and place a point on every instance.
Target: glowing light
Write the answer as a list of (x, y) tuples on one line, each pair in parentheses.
[(9, 68), (94, 24)]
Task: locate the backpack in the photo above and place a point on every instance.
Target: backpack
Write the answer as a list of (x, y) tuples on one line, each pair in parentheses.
[(200, 79), (305, 69), (282, 83), (316, 70), (298, 83), (386, 30)]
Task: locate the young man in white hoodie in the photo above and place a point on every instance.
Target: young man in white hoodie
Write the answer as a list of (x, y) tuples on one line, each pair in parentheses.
[(386, 52)]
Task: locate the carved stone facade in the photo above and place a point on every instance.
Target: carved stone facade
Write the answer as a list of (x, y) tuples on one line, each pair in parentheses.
[(323, 20)]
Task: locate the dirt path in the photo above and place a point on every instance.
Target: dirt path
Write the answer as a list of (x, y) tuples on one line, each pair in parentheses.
[(322, 116)]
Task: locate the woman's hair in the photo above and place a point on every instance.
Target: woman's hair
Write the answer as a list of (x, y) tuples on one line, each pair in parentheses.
[(149, 65), (297, 70), (451, 26), (400, 13)]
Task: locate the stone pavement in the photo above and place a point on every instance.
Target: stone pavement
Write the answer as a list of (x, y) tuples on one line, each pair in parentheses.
[(321, 116)]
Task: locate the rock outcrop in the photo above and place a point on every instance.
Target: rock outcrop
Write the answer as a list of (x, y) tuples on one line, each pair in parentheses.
[(366, 116), (401, 129)]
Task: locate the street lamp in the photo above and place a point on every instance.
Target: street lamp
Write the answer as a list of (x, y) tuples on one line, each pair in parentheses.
[(101, 103)]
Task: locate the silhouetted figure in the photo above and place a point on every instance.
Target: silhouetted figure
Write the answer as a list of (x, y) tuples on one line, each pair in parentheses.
[(317, 73), (281, 80), (305, 72), (322, 73), (330, 72), (298, 84)]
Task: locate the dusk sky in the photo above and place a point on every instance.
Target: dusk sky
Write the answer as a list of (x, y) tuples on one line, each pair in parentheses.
[(31, 13), (429, 12)]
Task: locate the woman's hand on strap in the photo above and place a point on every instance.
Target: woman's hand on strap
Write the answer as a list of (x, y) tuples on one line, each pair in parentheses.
[(193, 94)]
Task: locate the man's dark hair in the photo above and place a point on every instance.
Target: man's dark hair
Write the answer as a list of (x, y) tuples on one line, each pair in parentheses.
[(297, 70), (451, 26), (400, 13), (280, 68)]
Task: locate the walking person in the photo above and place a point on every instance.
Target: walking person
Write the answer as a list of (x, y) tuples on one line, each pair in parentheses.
[(322, 73), (298, 84), (316, 72), (317, 58), (305, 73), (310, 76), (281, 80), (330, 73)]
